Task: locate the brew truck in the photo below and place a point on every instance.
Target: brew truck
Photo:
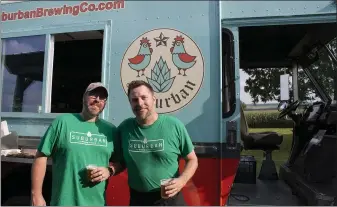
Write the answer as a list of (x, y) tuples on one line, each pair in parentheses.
[(51, 50)]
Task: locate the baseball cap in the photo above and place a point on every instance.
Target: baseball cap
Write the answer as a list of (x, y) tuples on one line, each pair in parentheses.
[(93, 86)]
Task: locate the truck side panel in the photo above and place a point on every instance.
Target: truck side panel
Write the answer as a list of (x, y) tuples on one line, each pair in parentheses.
[(135, 19), (261, 9), (193, 95)]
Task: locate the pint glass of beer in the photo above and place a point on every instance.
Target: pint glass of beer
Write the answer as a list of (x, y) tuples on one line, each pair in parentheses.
[(89, 169), (163, 184)]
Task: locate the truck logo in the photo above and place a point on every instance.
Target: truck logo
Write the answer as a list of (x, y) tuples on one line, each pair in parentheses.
[(170, 61)]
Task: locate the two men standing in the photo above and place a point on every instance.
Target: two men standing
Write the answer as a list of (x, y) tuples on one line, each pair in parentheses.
[(165, 139)]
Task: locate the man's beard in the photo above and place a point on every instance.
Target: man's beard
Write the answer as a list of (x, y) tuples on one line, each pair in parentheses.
[(91, 113), (141, 116)]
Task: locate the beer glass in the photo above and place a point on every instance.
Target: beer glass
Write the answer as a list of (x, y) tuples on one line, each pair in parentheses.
[(163, 184), (89, 169)]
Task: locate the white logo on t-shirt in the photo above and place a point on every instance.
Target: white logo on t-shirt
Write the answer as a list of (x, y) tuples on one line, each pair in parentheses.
[(88, 139), (146, 145)]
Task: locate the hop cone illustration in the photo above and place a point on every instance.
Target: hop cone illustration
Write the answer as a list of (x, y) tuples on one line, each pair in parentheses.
[(161, 80)]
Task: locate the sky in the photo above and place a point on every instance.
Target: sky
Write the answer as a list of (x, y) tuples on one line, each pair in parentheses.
[(33, 94), (245, 97)]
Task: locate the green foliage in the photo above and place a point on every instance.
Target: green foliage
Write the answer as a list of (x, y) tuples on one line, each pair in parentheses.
[(266, 119)]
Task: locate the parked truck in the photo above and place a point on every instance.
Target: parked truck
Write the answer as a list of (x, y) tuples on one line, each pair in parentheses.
[(51, 50)]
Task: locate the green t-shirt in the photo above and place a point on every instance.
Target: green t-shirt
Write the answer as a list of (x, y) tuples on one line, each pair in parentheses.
[(73, 143), (151, 153)]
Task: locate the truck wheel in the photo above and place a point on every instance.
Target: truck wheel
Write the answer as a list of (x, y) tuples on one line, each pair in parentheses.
[(18, 201)]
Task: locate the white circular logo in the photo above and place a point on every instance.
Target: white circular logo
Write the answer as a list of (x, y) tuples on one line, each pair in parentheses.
[(170, 62)]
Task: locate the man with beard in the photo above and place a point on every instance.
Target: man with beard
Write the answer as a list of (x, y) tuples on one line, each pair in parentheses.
[(74, 141), (151, 145)]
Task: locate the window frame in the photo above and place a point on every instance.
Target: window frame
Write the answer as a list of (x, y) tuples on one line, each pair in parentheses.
[(49, 33), (232, 66)]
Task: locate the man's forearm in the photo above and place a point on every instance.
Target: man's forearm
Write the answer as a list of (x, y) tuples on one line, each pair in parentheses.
[(189, 170), (38, 174)]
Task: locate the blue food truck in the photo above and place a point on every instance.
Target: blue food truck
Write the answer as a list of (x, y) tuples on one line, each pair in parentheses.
[(191, 53)]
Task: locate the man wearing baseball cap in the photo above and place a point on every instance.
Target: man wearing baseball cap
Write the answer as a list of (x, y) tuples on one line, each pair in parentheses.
[(75, 141)]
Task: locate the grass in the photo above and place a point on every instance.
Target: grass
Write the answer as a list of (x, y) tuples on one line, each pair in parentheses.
[(279, 156), (259, 111)]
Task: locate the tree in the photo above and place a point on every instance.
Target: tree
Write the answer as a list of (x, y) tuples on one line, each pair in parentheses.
[(263, 84)]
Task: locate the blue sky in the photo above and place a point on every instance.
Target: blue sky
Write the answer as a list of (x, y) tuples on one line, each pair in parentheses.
[(245, 97), (33, 94)]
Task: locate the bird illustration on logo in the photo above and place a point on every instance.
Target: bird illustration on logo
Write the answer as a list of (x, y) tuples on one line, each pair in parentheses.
[(180, 58), (143, 58), (170, 61)]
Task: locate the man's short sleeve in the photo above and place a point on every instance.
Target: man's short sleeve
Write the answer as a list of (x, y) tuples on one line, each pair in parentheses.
[(186, 145), (49, 139)]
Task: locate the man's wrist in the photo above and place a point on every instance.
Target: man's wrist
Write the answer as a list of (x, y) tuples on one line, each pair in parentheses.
[(111, 170), (36, 192), (184, 178)]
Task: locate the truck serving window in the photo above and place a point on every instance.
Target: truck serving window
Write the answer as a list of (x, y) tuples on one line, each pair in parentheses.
[(77, 62), (22, 63), (228, 74)]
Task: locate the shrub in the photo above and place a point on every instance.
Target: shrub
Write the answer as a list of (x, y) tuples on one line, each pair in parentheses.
[(266, 119)]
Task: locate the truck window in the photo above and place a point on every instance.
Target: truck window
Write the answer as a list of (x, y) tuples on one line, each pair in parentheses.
[(77, 62), (22, 61), (228, 74)]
